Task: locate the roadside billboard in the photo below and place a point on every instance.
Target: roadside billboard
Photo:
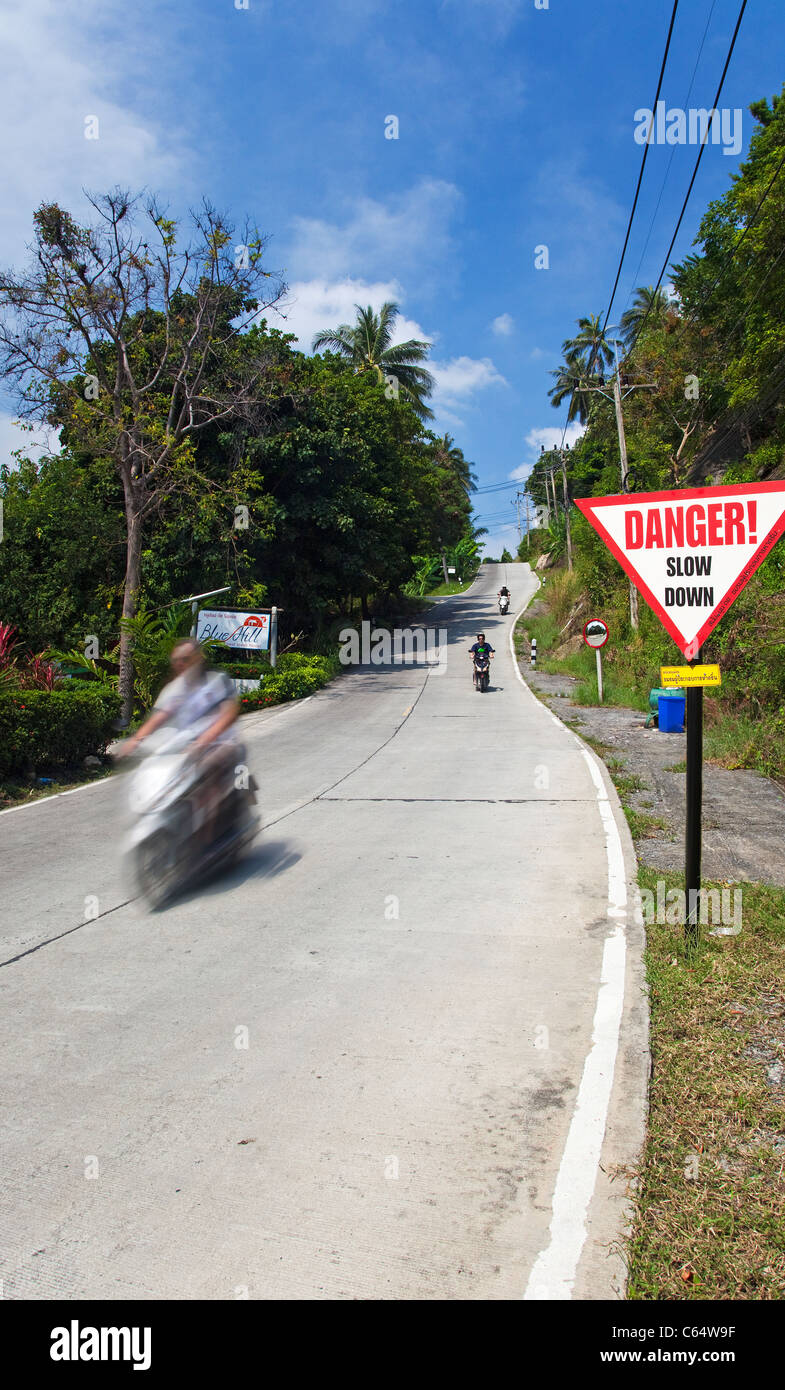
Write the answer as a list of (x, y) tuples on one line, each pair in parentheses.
[(243, 631)]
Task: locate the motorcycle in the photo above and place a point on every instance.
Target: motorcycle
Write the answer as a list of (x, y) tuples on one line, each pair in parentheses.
[(482, 667), (164, 851), (504, 603)]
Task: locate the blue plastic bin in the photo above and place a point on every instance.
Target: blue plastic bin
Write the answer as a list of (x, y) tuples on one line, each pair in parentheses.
[(670, 711)]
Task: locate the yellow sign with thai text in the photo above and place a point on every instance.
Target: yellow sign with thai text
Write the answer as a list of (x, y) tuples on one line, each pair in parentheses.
[(682, 677)]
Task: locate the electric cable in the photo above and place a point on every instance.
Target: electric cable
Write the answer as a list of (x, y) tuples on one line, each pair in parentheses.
[(643, 163)]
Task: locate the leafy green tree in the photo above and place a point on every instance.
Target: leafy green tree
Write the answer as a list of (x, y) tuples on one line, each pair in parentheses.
[(61, 560), (119, 334)]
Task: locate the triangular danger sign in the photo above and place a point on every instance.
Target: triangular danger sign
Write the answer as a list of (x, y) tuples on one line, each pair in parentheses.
[(690, 552)]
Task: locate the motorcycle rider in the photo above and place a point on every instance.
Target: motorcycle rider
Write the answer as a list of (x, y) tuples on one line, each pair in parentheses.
[(204, 702), (482, 647)]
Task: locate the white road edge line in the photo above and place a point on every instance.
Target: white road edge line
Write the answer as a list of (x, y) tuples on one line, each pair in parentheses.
[(554, 1271)]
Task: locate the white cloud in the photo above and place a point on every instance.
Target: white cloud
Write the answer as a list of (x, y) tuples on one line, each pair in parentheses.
[(62, 62), (406, 236), (503, 325), (312, 305), (461, 377), (549, 437)]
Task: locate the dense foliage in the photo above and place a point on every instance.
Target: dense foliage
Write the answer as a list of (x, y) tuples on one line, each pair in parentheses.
[(42, 729), (708, 366), (325, 507)]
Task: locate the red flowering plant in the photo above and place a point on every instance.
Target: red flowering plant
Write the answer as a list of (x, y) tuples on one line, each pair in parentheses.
[(39, 674), (35, 673), (9, 674)]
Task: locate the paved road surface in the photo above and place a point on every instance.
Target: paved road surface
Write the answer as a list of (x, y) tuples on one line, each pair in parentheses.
[(351, 1068)]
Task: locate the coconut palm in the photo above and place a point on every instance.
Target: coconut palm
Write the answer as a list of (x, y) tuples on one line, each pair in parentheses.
[(367, 345), (591, 345), (585, 358), (568, 377), (451, 456), (649, 304)]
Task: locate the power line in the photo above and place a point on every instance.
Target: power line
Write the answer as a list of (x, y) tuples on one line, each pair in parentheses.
[(694, 176), (495, 487), (643, 164), (685, 104)]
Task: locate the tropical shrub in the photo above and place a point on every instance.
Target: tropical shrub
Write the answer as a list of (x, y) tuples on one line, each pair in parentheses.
[(296, 675), (39, 674), (50, 728)]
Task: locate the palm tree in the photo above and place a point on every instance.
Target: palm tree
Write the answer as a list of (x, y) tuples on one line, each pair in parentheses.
[(367, 345), (585, 357), (452, 457), (568, 376), (648, 304), (590, 344)]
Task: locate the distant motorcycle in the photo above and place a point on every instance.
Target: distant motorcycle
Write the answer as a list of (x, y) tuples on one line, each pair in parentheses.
[(164, 851), (482, 667), (504, 603)]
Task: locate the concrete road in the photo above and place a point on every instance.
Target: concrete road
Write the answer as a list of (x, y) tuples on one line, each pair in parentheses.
[(398, 1053)]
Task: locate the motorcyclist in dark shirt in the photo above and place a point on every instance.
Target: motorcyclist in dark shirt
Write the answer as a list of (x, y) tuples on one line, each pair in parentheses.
[(484, 648)]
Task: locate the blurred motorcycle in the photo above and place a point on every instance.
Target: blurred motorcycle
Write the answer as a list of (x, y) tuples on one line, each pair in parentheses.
[(189, 818)]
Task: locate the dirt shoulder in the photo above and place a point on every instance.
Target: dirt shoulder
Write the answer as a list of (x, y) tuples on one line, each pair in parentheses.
[(743, 812)]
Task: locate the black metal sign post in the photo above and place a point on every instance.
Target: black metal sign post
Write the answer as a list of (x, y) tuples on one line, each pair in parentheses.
[(692, 843)]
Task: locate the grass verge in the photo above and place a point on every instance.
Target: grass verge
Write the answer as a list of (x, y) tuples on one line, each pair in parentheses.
[(18, 791), (711, 1201), (444, 590)]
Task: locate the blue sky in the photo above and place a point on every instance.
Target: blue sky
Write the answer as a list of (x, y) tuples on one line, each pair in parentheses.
[(516, 130)]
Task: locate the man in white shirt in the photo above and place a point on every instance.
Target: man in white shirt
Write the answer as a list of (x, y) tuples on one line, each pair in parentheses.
[(204, 702)]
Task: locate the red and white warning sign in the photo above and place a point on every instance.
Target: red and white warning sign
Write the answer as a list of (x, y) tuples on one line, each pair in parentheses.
[(690, 552)]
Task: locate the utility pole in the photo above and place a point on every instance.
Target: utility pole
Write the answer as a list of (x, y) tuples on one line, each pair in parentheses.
[(517, 505), (528, 539), (566, 505), (545, 479), (617, 397), (625, 470)]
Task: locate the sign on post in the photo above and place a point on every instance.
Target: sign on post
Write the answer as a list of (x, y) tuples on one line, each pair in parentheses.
[(683, 677), (690, 553), (244, 631), (595, 634)]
